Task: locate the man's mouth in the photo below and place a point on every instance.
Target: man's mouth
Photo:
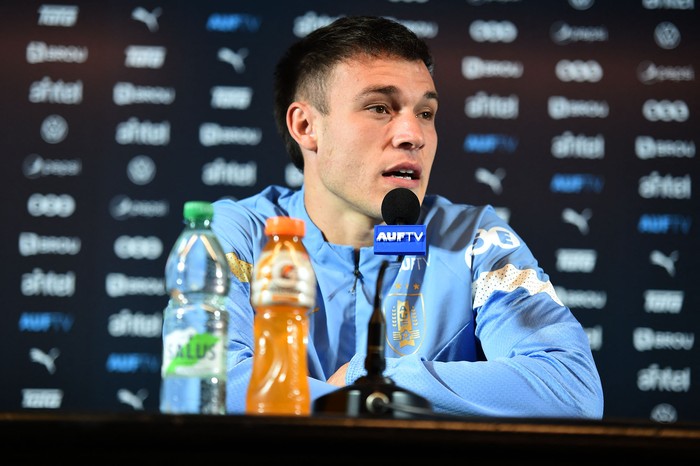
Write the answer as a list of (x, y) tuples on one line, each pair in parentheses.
[(403, 174)]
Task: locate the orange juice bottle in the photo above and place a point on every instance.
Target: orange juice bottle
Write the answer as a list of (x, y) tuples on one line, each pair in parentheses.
[(283, 290)]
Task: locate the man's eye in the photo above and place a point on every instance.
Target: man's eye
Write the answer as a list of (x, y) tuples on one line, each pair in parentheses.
[(379, 109), (426, 115)]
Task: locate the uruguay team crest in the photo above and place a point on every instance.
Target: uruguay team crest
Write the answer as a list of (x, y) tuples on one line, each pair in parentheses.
[(406, 325)]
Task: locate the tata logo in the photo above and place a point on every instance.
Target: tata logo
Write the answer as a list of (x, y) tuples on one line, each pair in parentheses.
[(58, 15), (144, 56), (576, 260), (663, 301), (42, 398), (399, 239)]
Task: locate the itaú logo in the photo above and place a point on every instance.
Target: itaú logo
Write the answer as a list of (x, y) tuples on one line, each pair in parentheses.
[(576, 260), (42, 398)]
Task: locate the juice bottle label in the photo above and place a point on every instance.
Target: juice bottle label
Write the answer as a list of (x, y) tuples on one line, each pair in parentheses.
[(284, 276), (191, 354)]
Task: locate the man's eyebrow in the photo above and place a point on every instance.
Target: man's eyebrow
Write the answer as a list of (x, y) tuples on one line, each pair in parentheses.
[(391, 91), (384, 90), (431, 95)]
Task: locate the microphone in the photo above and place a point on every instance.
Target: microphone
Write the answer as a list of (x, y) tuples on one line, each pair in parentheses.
[(400, 235), (400, 207), (374, 395)]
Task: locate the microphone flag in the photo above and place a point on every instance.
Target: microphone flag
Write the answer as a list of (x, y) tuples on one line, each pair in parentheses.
[(400, 239), (400, 235)]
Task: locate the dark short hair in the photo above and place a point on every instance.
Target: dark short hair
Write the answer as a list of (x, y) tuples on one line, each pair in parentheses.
[(306, 65)]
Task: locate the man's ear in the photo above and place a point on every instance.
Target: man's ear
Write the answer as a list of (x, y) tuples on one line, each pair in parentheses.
[(300, 124)]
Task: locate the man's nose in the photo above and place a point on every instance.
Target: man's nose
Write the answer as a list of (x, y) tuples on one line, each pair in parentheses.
[(409, 132)]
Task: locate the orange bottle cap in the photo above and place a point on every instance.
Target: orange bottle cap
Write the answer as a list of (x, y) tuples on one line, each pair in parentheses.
[(284, 226)]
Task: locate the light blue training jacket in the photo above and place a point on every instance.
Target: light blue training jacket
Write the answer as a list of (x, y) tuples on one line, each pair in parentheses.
[(474, 326)]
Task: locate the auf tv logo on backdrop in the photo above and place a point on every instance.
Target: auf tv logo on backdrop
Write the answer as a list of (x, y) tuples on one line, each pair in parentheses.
[(42, 322), (490, 143)]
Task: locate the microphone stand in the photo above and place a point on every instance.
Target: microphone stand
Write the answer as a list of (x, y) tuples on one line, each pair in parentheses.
[(374, 395)]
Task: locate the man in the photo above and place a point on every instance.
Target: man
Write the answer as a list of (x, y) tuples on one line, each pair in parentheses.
[(474, 326)]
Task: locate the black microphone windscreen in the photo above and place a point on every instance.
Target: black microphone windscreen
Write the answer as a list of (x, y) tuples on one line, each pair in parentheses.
[(400, 207)]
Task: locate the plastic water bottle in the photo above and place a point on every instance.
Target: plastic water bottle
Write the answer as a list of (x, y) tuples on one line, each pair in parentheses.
[(283, 291), (195, 321)]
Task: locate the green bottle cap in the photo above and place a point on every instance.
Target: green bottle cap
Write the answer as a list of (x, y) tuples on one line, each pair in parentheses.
[(198, 210)]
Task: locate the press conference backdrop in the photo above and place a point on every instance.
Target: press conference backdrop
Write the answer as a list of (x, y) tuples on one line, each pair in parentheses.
[(577, 120)]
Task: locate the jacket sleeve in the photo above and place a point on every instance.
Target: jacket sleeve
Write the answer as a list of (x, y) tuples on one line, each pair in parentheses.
[(536, 361), (544, 370), (538, 364)]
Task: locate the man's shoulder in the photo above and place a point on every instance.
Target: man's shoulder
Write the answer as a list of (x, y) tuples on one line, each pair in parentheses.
[(235, 219), (271, 200), (440, 208)]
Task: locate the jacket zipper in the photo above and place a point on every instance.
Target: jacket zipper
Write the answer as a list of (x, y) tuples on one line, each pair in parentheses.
[(356, 272)]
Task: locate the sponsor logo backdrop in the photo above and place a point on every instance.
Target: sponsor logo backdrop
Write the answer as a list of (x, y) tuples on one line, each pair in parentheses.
[(577, 120)]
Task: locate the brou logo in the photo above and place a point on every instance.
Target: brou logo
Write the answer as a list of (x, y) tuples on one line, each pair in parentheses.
[(485, 239)]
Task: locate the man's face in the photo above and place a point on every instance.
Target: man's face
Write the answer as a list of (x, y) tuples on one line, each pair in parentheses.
[(379, 133)]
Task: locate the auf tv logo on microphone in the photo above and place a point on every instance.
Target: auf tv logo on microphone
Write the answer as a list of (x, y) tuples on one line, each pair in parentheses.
[(399, 239)]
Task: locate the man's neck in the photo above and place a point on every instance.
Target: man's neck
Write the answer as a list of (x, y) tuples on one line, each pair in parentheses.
[(341, 227)]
